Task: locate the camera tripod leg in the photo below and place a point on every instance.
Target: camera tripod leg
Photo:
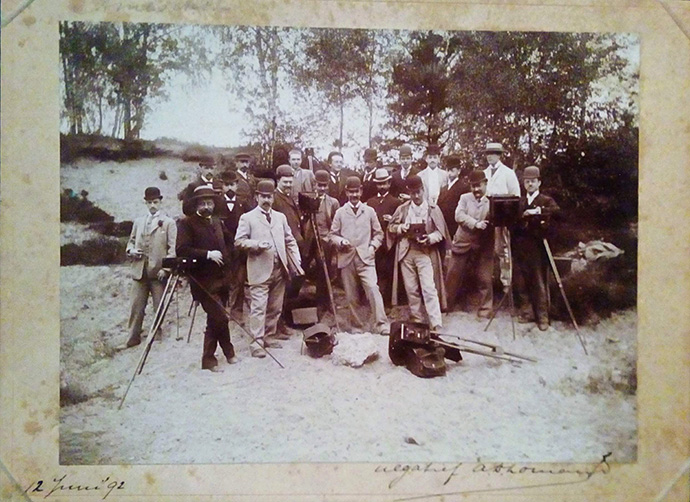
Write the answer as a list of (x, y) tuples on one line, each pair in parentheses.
[(177, 315), (192, 311)]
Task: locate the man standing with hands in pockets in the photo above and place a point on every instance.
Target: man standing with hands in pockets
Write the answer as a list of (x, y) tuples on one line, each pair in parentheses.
[(272, 258)]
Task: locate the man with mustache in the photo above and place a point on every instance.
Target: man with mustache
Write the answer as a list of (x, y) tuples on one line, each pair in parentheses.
[(203, 237), (272, 257), (472, 247)]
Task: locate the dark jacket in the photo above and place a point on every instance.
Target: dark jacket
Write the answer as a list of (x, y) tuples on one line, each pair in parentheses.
[(286, 205), (336, 189), (398, 184), (384, 205), (448, 202), (196, 236)]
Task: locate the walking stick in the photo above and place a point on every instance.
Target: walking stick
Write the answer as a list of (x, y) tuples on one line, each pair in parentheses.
[(322, 258), (565, 298), (193, 306)]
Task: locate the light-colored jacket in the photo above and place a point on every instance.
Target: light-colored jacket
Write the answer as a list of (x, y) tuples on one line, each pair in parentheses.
[(442, 182), (161, 244), (362, 230), (504, 182), (469, 212), (254, 228)]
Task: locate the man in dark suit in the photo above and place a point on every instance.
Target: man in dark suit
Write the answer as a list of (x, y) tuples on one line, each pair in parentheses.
[(385, 205), (450, 195), (246, 182), (323, 219), (205, 176), (229, 212), (370, 165), (531, 262), (339, 174), (399, 177), (203, 237)]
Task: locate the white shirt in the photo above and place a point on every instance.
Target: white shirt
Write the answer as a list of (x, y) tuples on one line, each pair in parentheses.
[(230, 202), (417, 214), (503, 182), (531, 197), (434, 185)]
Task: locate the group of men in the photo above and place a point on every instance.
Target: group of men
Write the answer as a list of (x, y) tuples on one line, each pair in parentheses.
[(255, 242)]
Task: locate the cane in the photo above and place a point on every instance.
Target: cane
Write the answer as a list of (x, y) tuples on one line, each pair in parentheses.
[(322, 259), (565, 298)]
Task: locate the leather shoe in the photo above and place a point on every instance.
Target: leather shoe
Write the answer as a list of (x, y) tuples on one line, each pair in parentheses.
[(232, 360), (258, 352), (282, 335), (272, 344), (543, 325), (133, 342)]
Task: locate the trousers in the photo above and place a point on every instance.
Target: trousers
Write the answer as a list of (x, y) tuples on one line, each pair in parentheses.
[(140, 296), (356, 271), (266, 304), (418, 276), (459, 266)]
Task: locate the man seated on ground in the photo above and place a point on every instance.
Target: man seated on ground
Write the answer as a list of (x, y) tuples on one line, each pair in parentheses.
[(272, 257), (419, 254), (357, 234), (472, 247), (203, 237), (530, 259), (152, 238)]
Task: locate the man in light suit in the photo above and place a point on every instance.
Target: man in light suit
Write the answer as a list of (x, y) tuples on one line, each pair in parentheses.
[(152, 239), (419, 256), (357, 234), (272, 257), (433, 177)]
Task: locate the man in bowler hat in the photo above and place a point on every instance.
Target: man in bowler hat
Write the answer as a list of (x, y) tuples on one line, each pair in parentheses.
[(450, 195), (152, 238), (399, 176)]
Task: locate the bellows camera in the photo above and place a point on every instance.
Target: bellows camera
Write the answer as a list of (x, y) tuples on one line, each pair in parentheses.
[(308, 202)]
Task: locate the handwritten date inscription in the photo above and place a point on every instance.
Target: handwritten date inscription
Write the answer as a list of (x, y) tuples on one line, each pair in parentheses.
[(61, 485)]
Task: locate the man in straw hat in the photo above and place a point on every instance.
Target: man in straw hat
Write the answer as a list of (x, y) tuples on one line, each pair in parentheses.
[(433, 177), (272, 257), (203, 237), (419, 254), (531, 260), (385, 205), (357, 234), (152, 238), (472, 247)]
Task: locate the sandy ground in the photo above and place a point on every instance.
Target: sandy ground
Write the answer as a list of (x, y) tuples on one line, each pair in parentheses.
[(566, 407)]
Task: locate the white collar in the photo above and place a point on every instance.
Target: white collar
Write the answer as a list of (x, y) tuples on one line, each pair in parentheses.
[(531, 197)]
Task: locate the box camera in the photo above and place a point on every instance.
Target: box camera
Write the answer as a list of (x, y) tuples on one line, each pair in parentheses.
[(504, 210), (308, 202), (416, 231)]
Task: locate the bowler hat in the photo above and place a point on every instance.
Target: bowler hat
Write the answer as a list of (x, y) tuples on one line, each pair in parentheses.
[(433, 149), (453, 162), (414, 182), (531, 173), (477, 177), (265, 187), (284, 170), (494, 148), (204, 192), (207, 163), (243, 156), (322, 176), (229, 177), (370, 154), (152, 193), (353, 183), (405, 150), (381, 175)]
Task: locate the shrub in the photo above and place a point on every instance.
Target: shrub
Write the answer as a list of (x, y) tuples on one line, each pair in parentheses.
[(74, 146), (78, 208), (99, 251), (121, 229), (162, 175)]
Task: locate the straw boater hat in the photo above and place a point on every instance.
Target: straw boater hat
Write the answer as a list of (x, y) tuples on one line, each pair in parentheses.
[(494, 148), (381, 175)]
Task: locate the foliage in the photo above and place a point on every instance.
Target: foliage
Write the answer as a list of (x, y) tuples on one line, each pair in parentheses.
[(78, 208), (99, 251), (74, 146)]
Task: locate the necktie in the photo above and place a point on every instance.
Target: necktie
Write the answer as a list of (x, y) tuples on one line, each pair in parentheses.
[(493, 170), (268, 217), (354, 209)]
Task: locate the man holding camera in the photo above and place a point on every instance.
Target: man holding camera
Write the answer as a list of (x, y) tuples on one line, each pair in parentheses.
[(357, 234), (203, 237), (152, 238), (420, 231), (472, 245), (272, 258)]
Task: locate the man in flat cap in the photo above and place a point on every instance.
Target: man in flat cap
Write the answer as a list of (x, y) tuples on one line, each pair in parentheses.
[(385, 205), (272, 257), (283, 202), (531, 261), (472, 247), (205, 176), (152, 238), (433, 177), (450, 195), (399, 177), (370, 165), (302, 179), (246, 182), (203, 237), (419, 231), (324, 219), (356, 233)]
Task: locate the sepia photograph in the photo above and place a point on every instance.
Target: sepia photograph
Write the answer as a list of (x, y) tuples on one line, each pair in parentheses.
[(283, 244)]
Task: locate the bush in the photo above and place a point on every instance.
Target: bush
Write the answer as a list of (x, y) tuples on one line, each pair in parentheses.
[(74, 146), (162, 175), (99, 251), (78, 208), (121, 229)]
